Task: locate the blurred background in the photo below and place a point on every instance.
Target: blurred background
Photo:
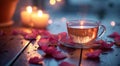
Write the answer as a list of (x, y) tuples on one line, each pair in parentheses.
[(97, 9)]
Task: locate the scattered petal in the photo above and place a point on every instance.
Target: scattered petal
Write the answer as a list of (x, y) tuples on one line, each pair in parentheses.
[(104, 45), (35, 60), (66, 64), (50, 51), (19, 32), (43, 32), (62, 35), (43, 43), (114, 34), (117, 39), (30, 36), (53, 39), (94, 54), (59, 55)]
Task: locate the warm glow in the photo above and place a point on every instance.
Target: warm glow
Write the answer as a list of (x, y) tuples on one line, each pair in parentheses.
[(29, 9), (91, 50), (34, 8), (112, 23), (40, 13), (27, 31), (81, 23), (59, 0), (50, 21), (38, 38), (52, 2)]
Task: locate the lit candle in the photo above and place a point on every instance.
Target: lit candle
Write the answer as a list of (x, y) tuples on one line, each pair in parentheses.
[(40, 19), (25, 15), (34, 18)]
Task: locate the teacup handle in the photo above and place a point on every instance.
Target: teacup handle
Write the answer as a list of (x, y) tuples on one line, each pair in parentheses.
[(103, 31)]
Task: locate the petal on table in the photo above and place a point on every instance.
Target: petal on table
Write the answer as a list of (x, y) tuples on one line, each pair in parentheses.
[(58, 55), (114, 34), (30, 36), (35, 60), (66, 64), (62, 35), (94, 54)]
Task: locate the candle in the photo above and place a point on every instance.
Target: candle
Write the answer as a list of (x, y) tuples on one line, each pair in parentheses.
[(25, 15), (40, 19), (34, 18)]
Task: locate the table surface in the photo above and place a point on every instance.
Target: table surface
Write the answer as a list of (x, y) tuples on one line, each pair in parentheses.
[(15, 50)]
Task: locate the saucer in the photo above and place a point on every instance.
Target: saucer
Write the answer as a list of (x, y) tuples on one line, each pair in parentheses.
[(78, 45)]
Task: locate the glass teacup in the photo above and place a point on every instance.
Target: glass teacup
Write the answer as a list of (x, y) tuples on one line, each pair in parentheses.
[(84, 32)]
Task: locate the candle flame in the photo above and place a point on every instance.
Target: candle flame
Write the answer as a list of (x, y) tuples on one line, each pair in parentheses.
[(59, 0), (29, 9), (52, 2), (112, 23), (40, 13)]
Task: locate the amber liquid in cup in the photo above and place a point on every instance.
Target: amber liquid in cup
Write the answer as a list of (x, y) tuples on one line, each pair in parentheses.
[(82, 34)]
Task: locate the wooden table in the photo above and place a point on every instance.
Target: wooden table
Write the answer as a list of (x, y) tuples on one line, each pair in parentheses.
[(15, 50)]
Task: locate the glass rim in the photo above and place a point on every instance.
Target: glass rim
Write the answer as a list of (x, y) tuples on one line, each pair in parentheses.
[(95, 22)]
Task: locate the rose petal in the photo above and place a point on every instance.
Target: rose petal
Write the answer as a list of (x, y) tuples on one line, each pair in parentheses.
[(117, 39), (62, 35), (104, 45), (93, 55), (66, 64), (19, 32), (34, 31), (35, 60), (59, 55), (30, 36), (50, 50), (53, 39), (114, 34), (43, 43), (43, 32)]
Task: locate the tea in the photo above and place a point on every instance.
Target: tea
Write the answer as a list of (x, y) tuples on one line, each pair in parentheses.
[(83, 34)]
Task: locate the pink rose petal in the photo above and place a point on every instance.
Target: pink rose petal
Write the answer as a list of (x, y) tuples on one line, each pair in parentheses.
[(94, 54), (59, 55), (114, 34), (50, 50), (19, 32), (35, 60), (30, 36), (68, 40), (34, 31), (62, 35), (117, 39), (66, 64), (104, 45), (43, 32), (53, 39), (43, 43)]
